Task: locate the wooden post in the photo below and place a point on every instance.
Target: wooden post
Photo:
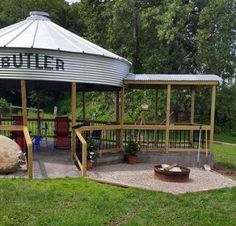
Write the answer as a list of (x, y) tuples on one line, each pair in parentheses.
[(122, 106), (29, 152), (213, 100), (118, 117), (117, 108), (25, 130), (156, 112), (73, 118), (156, 115), (83, 97), (84, 160), (192, 114), (24, 102), (168, 117)]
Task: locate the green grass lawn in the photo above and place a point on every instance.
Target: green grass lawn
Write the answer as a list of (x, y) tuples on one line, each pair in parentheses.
[(83, 202), (225, 138), (225, 155)]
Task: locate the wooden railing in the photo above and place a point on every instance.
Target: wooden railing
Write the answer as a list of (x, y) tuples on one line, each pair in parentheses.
[(150, 137), (28, 141), (81, 163), (45, 126)]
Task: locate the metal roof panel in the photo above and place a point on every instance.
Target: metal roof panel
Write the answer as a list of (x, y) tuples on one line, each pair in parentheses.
[(173, 77), (38, 31)]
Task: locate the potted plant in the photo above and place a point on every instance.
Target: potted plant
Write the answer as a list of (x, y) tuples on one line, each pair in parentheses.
[(132, 148), (92, 150)]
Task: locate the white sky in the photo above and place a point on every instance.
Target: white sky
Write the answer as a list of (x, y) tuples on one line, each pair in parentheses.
[(72, 1)]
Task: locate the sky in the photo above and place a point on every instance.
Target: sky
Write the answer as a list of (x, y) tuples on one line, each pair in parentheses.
[(72, 1)]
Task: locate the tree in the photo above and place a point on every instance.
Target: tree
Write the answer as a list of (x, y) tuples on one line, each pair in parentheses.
[(12, 11), (96, 15), (226, 109), (124, 29), (217, 38)]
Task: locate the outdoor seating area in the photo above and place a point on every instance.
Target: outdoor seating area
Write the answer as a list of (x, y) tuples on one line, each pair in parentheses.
[(104, 72)]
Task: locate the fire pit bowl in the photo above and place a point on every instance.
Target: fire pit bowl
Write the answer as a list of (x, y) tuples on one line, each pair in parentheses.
[(171, 173)]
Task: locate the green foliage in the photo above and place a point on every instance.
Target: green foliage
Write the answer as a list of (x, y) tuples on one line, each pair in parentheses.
[(216, 38), (95, 16), (92, 148), (133, 147), (41, 99), (226, 108), (3, 103)]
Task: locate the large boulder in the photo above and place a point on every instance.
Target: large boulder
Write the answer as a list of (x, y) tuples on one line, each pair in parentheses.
[(9, 155)]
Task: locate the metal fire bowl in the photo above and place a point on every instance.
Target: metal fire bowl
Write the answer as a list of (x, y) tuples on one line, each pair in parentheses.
[(171, 176)]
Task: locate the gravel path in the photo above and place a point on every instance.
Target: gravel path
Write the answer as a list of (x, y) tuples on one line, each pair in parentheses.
[(142, 176)]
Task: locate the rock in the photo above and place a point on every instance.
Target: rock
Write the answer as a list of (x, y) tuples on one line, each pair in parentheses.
[(9, 155)]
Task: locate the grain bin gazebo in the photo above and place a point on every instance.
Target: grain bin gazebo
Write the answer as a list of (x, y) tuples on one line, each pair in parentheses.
[(37, 51)]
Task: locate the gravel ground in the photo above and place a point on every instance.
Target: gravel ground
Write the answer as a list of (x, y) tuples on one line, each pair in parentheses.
[(142, 176)]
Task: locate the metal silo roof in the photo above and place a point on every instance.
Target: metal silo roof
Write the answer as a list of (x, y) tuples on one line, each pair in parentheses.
[(39, 32), (38, 49)]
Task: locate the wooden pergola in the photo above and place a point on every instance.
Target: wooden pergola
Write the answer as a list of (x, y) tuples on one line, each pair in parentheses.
[(168, 82)]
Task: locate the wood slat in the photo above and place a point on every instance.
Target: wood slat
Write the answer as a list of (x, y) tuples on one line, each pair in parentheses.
[(30, 151)]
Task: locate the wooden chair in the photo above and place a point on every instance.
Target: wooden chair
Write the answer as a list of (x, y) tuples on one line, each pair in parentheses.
[(18, 136), (62, 133)]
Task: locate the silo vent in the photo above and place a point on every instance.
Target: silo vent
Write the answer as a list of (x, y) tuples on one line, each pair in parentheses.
[(37, 15)]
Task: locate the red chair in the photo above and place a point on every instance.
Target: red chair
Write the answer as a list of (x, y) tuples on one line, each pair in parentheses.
[(18, 136), (62, 133)]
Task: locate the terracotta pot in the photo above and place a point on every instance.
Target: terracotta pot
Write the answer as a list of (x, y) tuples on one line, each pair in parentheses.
[(132, 159), (89, 164)]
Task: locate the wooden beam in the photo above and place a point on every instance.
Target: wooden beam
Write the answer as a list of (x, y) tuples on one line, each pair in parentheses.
[(192, 111), (168, 117), (212, 120), (73, 118), (84, 110), (11, 128), (143, 127), (24, 102)]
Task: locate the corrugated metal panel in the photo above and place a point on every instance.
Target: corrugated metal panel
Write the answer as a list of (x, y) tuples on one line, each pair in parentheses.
[(32, 48), (39, 32), (173, 77), (79, 68)]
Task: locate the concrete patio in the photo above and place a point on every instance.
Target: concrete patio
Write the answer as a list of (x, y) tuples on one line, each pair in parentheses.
[(54, 164)]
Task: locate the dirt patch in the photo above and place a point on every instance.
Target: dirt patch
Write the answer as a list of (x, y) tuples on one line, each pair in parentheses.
[(224, 171)]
